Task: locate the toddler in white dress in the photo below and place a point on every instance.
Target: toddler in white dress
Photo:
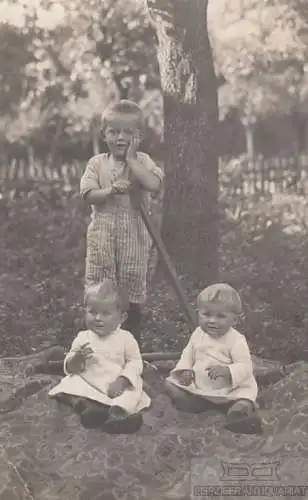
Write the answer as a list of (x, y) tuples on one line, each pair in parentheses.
[(215, 368), (104, 366)]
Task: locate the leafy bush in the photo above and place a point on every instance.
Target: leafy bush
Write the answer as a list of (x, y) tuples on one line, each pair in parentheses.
[(264, 253)]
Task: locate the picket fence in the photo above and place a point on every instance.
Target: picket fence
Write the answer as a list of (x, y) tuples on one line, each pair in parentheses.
[(277, 175), (237, 177)]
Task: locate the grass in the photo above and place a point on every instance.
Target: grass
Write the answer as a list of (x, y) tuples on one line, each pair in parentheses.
[(42, 249)]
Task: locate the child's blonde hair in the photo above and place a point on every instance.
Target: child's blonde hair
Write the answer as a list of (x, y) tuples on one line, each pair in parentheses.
[(105, 290), (221, 293), (123, 107)]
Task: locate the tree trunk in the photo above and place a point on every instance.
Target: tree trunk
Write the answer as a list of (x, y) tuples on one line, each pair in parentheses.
[(188, 80)]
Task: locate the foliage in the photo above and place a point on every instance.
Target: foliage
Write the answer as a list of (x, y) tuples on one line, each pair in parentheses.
[(12, 43), (66, 73), (261, 51), (263, 253)]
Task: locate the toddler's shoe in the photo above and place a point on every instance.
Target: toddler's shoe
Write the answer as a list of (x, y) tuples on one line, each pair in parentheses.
[(243, 418), (93, 415), (121, 422)]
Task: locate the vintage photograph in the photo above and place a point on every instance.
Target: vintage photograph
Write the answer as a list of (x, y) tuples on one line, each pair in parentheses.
[(153, 249)]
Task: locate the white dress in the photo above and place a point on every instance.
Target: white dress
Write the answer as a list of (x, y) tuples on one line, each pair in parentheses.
[(115, 355), (204, 351)]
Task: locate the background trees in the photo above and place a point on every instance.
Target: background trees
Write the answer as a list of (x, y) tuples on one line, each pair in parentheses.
[(70, 57), (69, 70), (261, 49)]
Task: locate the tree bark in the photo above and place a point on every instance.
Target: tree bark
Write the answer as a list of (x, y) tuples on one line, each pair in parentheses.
[(190, 225)]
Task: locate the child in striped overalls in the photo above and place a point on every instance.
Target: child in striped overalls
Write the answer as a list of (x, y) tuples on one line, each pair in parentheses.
[(118, 244)]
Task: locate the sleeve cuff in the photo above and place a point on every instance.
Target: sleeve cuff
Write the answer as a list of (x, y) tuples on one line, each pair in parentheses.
[(131, 377)]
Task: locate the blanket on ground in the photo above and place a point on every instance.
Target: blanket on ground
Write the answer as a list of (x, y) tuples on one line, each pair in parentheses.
[(46, 454)]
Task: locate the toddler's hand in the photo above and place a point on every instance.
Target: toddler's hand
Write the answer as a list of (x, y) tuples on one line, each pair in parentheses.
[(121, 187), (76, 364), (131, 154), (185, 377), (219, 371), (117, 387)]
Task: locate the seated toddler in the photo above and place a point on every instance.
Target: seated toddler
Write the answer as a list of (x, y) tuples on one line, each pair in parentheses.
[(103, 367), (215, 369)]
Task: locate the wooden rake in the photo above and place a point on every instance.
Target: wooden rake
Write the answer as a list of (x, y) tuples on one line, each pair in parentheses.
[(171, 272)]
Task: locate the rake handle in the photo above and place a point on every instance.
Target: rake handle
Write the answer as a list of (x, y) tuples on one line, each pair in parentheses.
[(155, 235)]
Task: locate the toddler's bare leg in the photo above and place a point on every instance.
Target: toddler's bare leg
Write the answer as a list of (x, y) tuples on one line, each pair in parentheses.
[(184, 401)]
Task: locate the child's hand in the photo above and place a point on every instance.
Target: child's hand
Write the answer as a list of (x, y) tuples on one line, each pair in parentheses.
[(131, 154), (121, 187), (185, 377), (118, 387), (219, 371), (76, 364)]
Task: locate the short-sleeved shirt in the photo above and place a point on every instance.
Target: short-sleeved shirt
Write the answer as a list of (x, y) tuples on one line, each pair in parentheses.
[(103, 170)]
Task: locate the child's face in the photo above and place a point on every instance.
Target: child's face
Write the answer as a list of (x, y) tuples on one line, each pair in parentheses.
[(102, 317), (215, 319), (119, 132)]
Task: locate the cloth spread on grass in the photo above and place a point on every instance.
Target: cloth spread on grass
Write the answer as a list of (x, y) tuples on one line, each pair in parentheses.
[(45, 453)]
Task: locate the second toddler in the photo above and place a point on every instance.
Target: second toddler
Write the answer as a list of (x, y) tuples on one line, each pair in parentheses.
[(215, 369)]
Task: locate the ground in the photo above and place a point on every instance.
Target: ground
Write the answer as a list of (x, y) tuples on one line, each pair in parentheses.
[(42, 249), (45, 453)]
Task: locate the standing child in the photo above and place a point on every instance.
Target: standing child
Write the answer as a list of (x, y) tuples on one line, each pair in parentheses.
[(118, 244), (215, 367), (103, 368)]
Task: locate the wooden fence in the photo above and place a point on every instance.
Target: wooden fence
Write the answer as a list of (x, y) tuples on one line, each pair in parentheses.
[(21, 176), (238, 177), (278, 175)]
